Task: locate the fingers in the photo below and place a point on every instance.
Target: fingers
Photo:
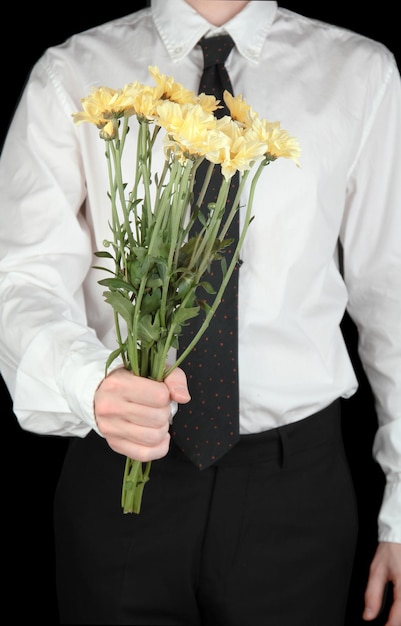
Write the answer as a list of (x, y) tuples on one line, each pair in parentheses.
[(394, 618), (134, 413), (374, 598), (384, 571), (122, 389), (139, 451)]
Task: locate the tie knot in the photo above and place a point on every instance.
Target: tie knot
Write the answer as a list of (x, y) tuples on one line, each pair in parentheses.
[(216, 49)]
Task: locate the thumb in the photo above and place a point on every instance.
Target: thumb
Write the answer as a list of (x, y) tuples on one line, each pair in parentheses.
[(177, 386)]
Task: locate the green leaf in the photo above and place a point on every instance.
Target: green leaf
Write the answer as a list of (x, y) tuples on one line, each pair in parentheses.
[(183, 314), (207, 287), (121, 305), (223, 266), (185, 284), (204, 306), (140, 252), (154, 281), (159, 248), (103, 254), (146, 266), (134, 271), (104, 269), (201, 216), (115, 283), (148, 330), (174, 341), (134, 203), (186, 251), (113, 356), (161, 265), (151, 301)]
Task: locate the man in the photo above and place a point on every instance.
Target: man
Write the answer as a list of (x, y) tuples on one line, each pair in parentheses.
[(238, 542)]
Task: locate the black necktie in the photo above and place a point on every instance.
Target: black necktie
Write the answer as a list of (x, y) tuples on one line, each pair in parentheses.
[(208, 426)]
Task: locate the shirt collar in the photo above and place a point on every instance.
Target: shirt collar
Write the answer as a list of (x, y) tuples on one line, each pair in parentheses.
[(180, 36)]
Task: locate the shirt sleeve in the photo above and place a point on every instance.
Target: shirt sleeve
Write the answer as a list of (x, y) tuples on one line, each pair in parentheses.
[(371, 239), (50, 359)]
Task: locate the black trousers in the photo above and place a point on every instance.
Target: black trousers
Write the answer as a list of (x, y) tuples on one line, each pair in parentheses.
[(266, 537)]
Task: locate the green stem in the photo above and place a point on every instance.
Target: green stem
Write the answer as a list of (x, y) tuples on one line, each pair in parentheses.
[(208, 236), (231, 267), (119, 339), (134, 481), (174, 216), (145, 166), (132, 475)]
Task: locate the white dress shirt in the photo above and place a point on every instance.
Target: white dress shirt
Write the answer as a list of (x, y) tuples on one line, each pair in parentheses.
[(340, 94)]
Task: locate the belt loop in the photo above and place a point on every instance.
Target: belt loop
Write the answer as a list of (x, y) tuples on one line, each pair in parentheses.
[(284, 443)]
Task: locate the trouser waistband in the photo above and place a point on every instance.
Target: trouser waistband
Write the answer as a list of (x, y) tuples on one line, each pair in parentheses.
[(285, 441)]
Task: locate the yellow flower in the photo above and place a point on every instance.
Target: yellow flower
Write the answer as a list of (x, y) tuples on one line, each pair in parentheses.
[(240, 110), (239, 152), (100, 106), (278, 142), (208, 103), (169, 89), (109, 130), (191, 127), (141, 100)]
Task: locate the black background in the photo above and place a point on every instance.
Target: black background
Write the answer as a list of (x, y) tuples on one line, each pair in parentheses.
[(32, 462)]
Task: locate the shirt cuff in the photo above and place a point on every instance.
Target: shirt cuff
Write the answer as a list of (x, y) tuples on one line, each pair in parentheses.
[(389, 528)]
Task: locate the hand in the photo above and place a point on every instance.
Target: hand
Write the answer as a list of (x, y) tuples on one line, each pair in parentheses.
[(133, 413), (385, 567)]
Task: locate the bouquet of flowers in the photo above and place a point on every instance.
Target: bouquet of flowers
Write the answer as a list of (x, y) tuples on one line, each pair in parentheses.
[(157, 271)]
